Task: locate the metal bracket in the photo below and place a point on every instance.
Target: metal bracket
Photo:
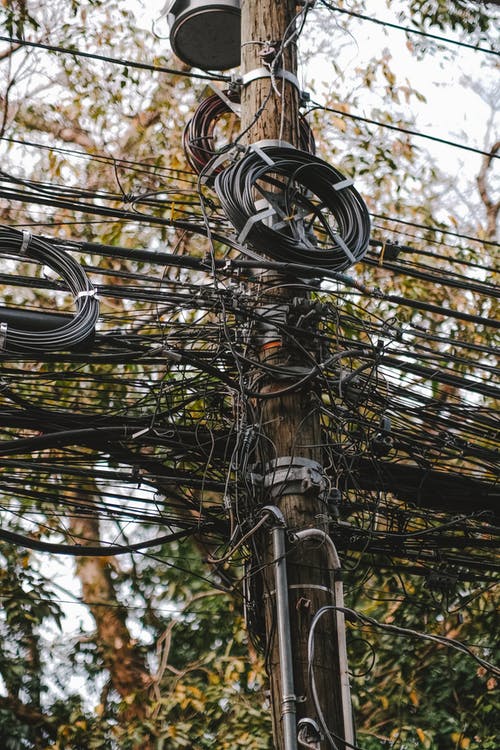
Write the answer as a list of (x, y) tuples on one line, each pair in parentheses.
[(290, 476), (254, 75)]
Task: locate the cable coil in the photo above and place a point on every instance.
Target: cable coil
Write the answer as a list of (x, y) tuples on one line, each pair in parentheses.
[(198, 138), (75, 330), (317, 217)]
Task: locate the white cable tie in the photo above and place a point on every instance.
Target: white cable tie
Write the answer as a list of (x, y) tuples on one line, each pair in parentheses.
[(212, 165), (267, 159), (340, 242), (87, 293), (140, 432), (234, 106), (343, 184), (26, 241), (253, 220), (3, 336)]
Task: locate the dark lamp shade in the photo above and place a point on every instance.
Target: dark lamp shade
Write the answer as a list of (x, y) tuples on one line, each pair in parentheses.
[(206, 35)]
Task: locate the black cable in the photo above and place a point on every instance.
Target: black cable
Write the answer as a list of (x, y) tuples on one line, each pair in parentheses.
[(322, 220), (399, 129), (198, 136), (408, 30), (115, 60), (74, 331), (442, 230), (82, 550)]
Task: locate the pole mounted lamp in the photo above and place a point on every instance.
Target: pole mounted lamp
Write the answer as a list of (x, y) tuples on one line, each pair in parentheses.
[(205, 35)]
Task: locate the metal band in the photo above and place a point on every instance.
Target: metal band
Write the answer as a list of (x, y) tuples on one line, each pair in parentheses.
[(302, 587), (290, 476), (288, 461), (233, 106), (254, 75), (311, 586), (272, 143)]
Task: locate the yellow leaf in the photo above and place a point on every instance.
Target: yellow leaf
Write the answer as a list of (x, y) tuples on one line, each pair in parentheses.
[(414, 699), (339, 123), (421, 735)]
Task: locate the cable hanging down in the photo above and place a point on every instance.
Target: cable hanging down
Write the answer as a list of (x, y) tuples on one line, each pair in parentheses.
[(316, 216), (199, 140), (50, 332)]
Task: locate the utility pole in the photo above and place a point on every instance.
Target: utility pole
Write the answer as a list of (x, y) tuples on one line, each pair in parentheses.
[(297, 553)]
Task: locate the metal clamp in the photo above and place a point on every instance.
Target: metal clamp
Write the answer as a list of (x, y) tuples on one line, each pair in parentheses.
[(272, 143), (290, 476), (254, 75)]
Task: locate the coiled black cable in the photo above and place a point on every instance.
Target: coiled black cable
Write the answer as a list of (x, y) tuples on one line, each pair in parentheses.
[(318, 217), (198, 138), (74, 330)]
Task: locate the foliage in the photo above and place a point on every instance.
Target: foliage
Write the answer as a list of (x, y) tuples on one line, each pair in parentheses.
[(206, 684)]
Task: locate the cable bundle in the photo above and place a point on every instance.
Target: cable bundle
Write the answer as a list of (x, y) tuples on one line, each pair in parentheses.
[(198, 139), (73, 331), (318, 218)]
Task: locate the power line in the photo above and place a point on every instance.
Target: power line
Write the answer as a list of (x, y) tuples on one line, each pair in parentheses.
[(114, 60), (409, 30), (407, 131), (84, 550), (436, 229)]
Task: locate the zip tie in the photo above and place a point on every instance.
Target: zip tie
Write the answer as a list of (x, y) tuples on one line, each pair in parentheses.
[(382, 253), (340, 242), (343, 184), (253, 220), (25, 241), (87, 293), (3, 336), (267, 159)]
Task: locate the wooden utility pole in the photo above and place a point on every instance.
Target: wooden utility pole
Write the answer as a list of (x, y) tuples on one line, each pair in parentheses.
[(289, 444)]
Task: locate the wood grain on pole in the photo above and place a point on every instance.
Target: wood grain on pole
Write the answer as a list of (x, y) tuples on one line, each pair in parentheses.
[(289, 425)]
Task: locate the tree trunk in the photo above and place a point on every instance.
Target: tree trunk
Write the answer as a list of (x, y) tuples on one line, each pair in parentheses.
[(127, 669)]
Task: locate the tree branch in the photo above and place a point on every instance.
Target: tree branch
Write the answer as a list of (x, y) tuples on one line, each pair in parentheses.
[(492, 207), (7, 53), (26, 714)]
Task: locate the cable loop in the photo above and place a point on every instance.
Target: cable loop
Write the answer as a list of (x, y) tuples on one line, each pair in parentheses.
[(73, 331), (199, 141), (314, 215)]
